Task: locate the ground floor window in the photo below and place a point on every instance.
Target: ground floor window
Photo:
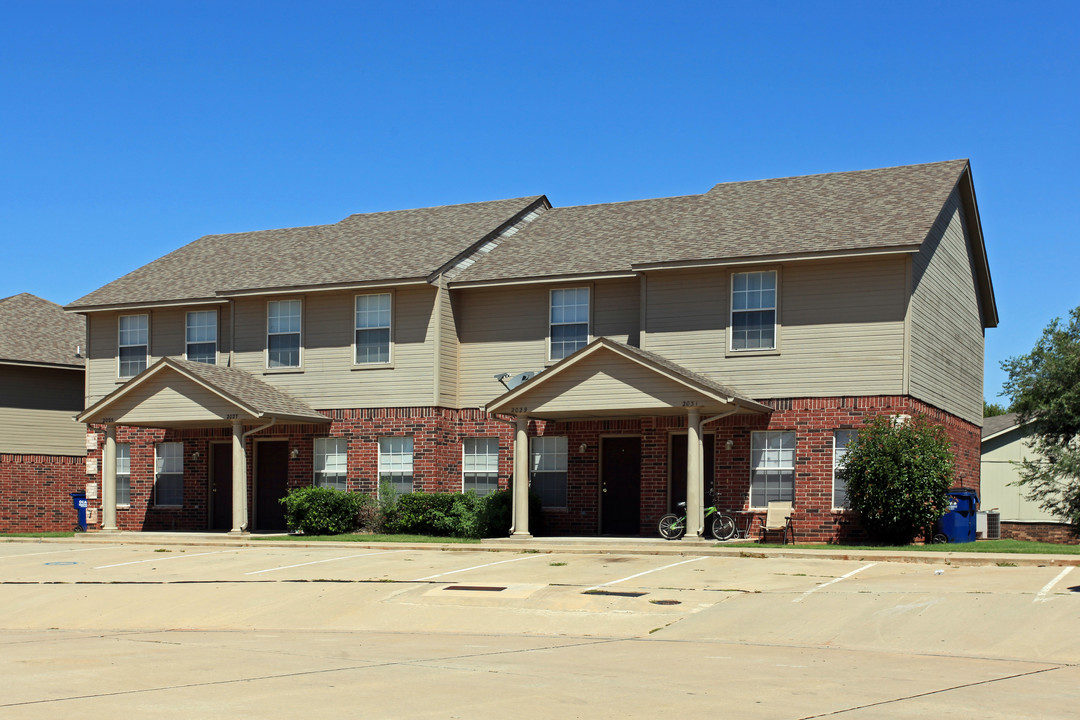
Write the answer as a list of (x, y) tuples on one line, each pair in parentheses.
[(772, 468), (123, 474), (480, 465), (547, 465), (331, 463), (396, 463), (841, 440), (169, 473)]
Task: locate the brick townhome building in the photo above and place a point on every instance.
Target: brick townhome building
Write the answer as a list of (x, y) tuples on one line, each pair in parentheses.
[(616, 357), (42, 448)]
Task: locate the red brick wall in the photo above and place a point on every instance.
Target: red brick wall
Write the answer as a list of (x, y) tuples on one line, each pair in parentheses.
[(1040, 531), (36, 492)]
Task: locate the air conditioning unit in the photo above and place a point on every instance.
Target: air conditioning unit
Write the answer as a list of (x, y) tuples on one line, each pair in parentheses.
[(993, 525)]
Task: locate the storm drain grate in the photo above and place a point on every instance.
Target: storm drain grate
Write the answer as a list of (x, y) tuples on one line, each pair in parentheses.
[(614, 593), (666, 602), (477, 588)]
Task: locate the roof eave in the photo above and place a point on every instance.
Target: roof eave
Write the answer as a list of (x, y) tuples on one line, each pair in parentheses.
[(982, 263)]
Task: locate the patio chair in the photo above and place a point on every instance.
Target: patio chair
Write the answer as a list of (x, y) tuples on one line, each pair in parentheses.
[(778, 520)]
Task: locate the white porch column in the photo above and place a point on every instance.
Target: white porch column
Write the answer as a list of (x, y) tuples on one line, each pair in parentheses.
[(521, 478), (695, 470), (108, 480), (239, 480)]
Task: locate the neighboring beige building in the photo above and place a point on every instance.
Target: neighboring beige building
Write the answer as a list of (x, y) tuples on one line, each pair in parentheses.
[(1004, 447)]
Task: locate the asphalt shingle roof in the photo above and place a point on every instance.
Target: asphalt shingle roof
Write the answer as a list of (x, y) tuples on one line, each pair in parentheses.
[(998, 423), (862, 210), (34, 330), (247, 389), (365, 247)]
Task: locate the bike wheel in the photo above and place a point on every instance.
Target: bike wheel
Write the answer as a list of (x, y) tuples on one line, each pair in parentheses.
[(723, 526), (671, 527), (940, 539)]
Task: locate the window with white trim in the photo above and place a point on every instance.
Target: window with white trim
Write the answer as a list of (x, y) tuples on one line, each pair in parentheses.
[(772, 467), (569, 317), (480, 465), (169, 473), (123, 474), (201, 335), (372, 329), (753, 310), (547, 470), (396, 463), (133, 344), (841, 441), (283, 333), (331, 463)]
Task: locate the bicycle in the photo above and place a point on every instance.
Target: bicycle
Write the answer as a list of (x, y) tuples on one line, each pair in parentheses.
[(673, 527)]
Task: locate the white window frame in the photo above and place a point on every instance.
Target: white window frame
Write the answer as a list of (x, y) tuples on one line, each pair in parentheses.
[(839, 453), (335, 452), (123, 474), (476, 464), (771, 460), (299, 334), (120, 344), (774, 309), (389, 327), (548, 455), (552, 324), (174, 451), (187, 333), (396, 463)]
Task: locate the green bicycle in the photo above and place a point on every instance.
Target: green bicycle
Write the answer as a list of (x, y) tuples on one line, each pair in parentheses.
[(673, 527)]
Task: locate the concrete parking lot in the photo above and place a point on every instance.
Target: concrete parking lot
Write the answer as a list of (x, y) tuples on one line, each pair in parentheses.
[(170, 630)]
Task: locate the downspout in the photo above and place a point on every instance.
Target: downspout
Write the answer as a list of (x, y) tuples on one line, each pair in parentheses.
[(243, 443), (232, 331), (512, 423)]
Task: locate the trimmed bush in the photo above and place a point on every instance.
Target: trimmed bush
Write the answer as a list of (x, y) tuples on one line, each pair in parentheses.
[(464, 515), (325, 511)]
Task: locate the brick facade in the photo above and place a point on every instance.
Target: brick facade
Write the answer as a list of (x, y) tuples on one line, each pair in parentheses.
[(1049, 532), (438, 432), (36, 491)]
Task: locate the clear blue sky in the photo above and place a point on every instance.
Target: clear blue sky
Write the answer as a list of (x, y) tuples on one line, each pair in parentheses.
[(128, 129)]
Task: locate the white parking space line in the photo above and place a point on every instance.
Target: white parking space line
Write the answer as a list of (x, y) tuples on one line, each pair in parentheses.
[(474, 567), (1041, 596), (171, 557), (56, 552), (834, 580), (637, 575), (316, 562)]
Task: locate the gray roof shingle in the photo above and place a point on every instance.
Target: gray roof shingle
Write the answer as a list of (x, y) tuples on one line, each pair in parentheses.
[(847, 211), (367, 247), (34, 330), (249, 390), (999, 423)]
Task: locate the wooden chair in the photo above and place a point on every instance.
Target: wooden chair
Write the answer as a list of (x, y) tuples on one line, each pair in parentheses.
[(778, 520)]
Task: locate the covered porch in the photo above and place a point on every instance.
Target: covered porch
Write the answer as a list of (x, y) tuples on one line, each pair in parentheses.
[(607, 400), (181, 395)]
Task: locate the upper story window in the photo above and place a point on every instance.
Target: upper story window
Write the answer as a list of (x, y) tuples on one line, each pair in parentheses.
[(283, 334), (569, 329), (331, 463), (133, 345), (753, 310), (372, 329), (841, 440), (202, 336)]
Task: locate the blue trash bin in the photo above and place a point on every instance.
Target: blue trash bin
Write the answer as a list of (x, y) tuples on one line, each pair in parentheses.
[(78, 499), (959, 524)]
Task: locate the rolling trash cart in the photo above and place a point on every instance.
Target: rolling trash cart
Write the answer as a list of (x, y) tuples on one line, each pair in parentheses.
[(78, 499), (960, 523)]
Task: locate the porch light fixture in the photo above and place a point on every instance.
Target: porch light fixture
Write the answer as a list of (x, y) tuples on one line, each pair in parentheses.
[(728, 444), (582, 447), (293, 454), (195, 456)]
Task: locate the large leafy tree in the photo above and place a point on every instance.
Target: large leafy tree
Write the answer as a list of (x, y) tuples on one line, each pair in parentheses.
[(1045, 389), (898, 476)]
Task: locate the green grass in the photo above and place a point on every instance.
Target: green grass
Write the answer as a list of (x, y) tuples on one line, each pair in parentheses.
[(60, 534), (984, 546), (370, 537)]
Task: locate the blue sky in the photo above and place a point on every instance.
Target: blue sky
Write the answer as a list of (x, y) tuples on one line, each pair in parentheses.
[(128, 129)]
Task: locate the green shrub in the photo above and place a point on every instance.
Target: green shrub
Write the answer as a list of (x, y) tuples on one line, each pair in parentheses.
[(325, 511), (464, 515), (898, 476)]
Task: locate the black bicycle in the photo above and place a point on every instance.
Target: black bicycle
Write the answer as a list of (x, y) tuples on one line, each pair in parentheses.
[(673, 527)]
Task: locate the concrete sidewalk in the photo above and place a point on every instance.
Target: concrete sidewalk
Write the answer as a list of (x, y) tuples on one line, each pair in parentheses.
[(583, 545)]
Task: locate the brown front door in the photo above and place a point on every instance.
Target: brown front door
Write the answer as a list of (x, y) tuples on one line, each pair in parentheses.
[(677, 470), (271, 484), (220, 486), (620, 486)]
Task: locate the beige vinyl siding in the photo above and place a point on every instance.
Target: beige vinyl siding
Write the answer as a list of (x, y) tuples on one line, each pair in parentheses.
[(841, 328), (997, 488), (167, 395), (328, 378), (36, 410), (946, 364), (505, 329), (447, 392)]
